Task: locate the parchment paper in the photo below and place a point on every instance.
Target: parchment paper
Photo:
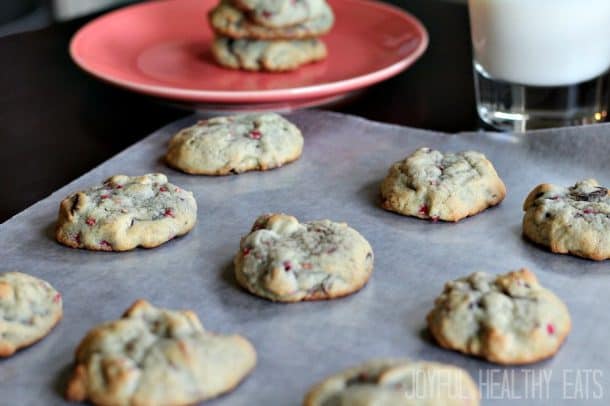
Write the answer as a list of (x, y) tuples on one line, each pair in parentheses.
[(338, 178)]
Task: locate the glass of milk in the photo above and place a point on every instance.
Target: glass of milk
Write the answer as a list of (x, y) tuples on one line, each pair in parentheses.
[(540, 63)]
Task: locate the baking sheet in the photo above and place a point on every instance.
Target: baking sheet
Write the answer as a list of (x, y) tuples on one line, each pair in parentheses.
[(337, 177)]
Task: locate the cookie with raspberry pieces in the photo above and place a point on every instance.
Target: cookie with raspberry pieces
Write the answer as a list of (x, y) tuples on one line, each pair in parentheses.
[(229, 21), (506, 319), (281, 13), (29, 309), (284, 260), (235, 144), (126, 212), (433, 185), (396, 382), (570, 220), (261, 55), (154, 356)]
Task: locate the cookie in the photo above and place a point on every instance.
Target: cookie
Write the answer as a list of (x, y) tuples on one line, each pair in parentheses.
[(29, 309), (570, 220), (229, 21), (396, 382), (272, 56), (281, 13), (506, 319), (235, 144), (126, 212), (431, 185), (287, 261), (155, 356)]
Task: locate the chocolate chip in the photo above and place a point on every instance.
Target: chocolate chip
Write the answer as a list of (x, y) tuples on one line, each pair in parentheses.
[(230, 45), (75, 202), (597, 195), (130, 345), (361, 378)]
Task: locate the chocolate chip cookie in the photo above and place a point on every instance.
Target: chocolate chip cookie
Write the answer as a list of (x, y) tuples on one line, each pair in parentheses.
[(235, 144), (397, 382), (229, 21), (154, 356), (506, 319), (29, 309), (272, 56), (570, 220), (126, 212), (281, 13), (431, 185), (284, 260)]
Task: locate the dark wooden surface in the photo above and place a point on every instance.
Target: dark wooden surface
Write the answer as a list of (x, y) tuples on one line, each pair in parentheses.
[(57, 123)]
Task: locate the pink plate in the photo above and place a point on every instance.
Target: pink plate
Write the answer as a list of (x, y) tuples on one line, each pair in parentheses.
[(161, 48)]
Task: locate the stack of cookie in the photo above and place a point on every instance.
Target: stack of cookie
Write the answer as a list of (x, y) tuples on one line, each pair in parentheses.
[(269, 35)]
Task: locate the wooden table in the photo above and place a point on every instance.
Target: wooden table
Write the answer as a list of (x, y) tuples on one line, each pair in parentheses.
[(56, 122)]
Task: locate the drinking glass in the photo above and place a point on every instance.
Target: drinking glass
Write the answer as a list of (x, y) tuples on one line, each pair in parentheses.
[(540, 63)]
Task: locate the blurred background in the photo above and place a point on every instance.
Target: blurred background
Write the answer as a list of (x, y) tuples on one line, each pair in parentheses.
[(25, 15)]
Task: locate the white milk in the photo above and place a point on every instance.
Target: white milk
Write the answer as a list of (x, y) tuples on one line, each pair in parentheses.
[(541, 42)]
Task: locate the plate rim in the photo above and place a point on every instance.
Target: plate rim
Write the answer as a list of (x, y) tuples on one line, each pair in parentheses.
[(259, 96)]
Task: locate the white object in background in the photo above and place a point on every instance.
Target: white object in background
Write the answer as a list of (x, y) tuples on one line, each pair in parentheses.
[(541, 42), (67, 9)]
